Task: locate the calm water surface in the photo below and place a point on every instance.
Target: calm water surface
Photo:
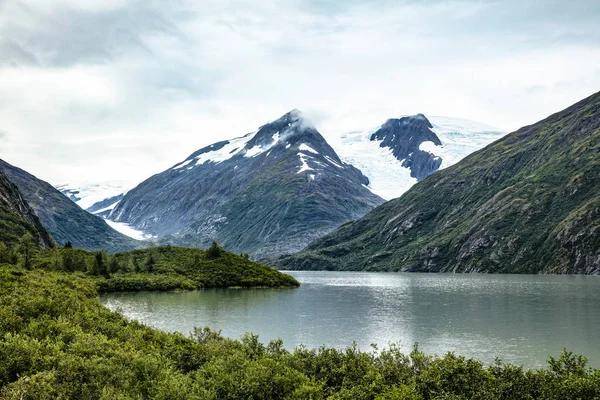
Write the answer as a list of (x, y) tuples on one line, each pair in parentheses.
[(521, 319)]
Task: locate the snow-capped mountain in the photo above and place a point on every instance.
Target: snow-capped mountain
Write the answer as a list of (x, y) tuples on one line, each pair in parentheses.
[(97, 198), (266, 193), (402, 151)]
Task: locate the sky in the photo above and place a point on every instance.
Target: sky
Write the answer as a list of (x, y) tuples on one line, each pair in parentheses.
[(102, 90)]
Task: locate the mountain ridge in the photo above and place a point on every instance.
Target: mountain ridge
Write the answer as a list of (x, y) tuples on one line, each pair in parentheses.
[(264, 193), (525, 203), (65, 220), (17, 218)]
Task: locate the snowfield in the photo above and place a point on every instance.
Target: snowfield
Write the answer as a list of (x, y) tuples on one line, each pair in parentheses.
[(127, 230), (388, 178), (90, 193)]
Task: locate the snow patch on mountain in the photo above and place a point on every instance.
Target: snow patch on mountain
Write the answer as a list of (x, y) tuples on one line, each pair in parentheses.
[(304, 166), (86, 194), (183, 164), (387, 177), (109, 208), (305, 147), (429, 147), (128, 230), (254, 151), (226, 152), (461, 137)]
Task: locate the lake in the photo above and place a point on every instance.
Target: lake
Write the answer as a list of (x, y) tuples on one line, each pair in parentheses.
[(520, 318)]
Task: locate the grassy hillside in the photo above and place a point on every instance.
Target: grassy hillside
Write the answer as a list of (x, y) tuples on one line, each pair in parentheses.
[(57, 341), (527, 203), (163, 268), (65, 220), (17, 218)]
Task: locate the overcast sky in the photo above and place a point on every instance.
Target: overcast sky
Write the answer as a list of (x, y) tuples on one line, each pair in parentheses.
[(121, 89)]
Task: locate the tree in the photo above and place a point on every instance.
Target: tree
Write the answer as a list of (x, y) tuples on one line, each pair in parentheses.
[(4, 253), (68, 245), (55, 259), (99, 266), (26, 248), (136, 265), (68, 261), (150, 263), (214, 251), (113, 265)]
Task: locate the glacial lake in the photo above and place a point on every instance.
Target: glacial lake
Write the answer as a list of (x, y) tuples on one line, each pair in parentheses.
[(521, 319)]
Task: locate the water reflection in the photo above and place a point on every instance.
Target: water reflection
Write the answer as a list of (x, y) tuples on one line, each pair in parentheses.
[(521, 319)]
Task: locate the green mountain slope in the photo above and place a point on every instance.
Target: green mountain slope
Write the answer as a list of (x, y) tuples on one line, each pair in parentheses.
[(18, 218), (64, 219), (527, 203)]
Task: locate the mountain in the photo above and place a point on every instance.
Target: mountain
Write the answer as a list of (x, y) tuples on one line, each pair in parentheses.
[(96, 198), (527, 203), (18, 218), (64, 219), (403, 151), (266, 193)]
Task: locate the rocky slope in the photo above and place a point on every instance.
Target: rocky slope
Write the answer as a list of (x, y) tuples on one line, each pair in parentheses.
[(527, 203), (18, 218), (267, 193), (64, 219)]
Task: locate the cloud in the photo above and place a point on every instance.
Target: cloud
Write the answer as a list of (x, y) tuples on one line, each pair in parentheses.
[(125, 88)]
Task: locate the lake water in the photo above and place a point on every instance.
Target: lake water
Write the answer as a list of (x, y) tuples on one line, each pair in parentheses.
[(520, 318)]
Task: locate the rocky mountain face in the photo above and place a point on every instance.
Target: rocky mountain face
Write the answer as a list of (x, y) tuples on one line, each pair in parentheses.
[(64, 219), (18, 218), (404, 137), (266, 193), (527, 203), (104, 207)]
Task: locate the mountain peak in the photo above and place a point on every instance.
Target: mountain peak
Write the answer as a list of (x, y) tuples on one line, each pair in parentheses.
[(419, 121), (405, 137), (290, 129)]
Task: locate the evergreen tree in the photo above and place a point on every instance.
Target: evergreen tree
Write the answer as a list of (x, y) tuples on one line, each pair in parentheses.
[(26, 248), (56, 260), (214, 251), (127, 265), (4, 253), (68, 261), (150, 264), (68, 245), (99, 266), (113, 265)]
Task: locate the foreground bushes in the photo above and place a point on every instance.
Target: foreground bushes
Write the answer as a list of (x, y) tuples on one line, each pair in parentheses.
[(57, 341)]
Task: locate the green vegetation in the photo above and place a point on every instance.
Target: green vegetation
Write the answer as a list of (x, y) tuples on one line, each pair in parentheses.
[(152, 269), (57, 341), (527, 203)]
